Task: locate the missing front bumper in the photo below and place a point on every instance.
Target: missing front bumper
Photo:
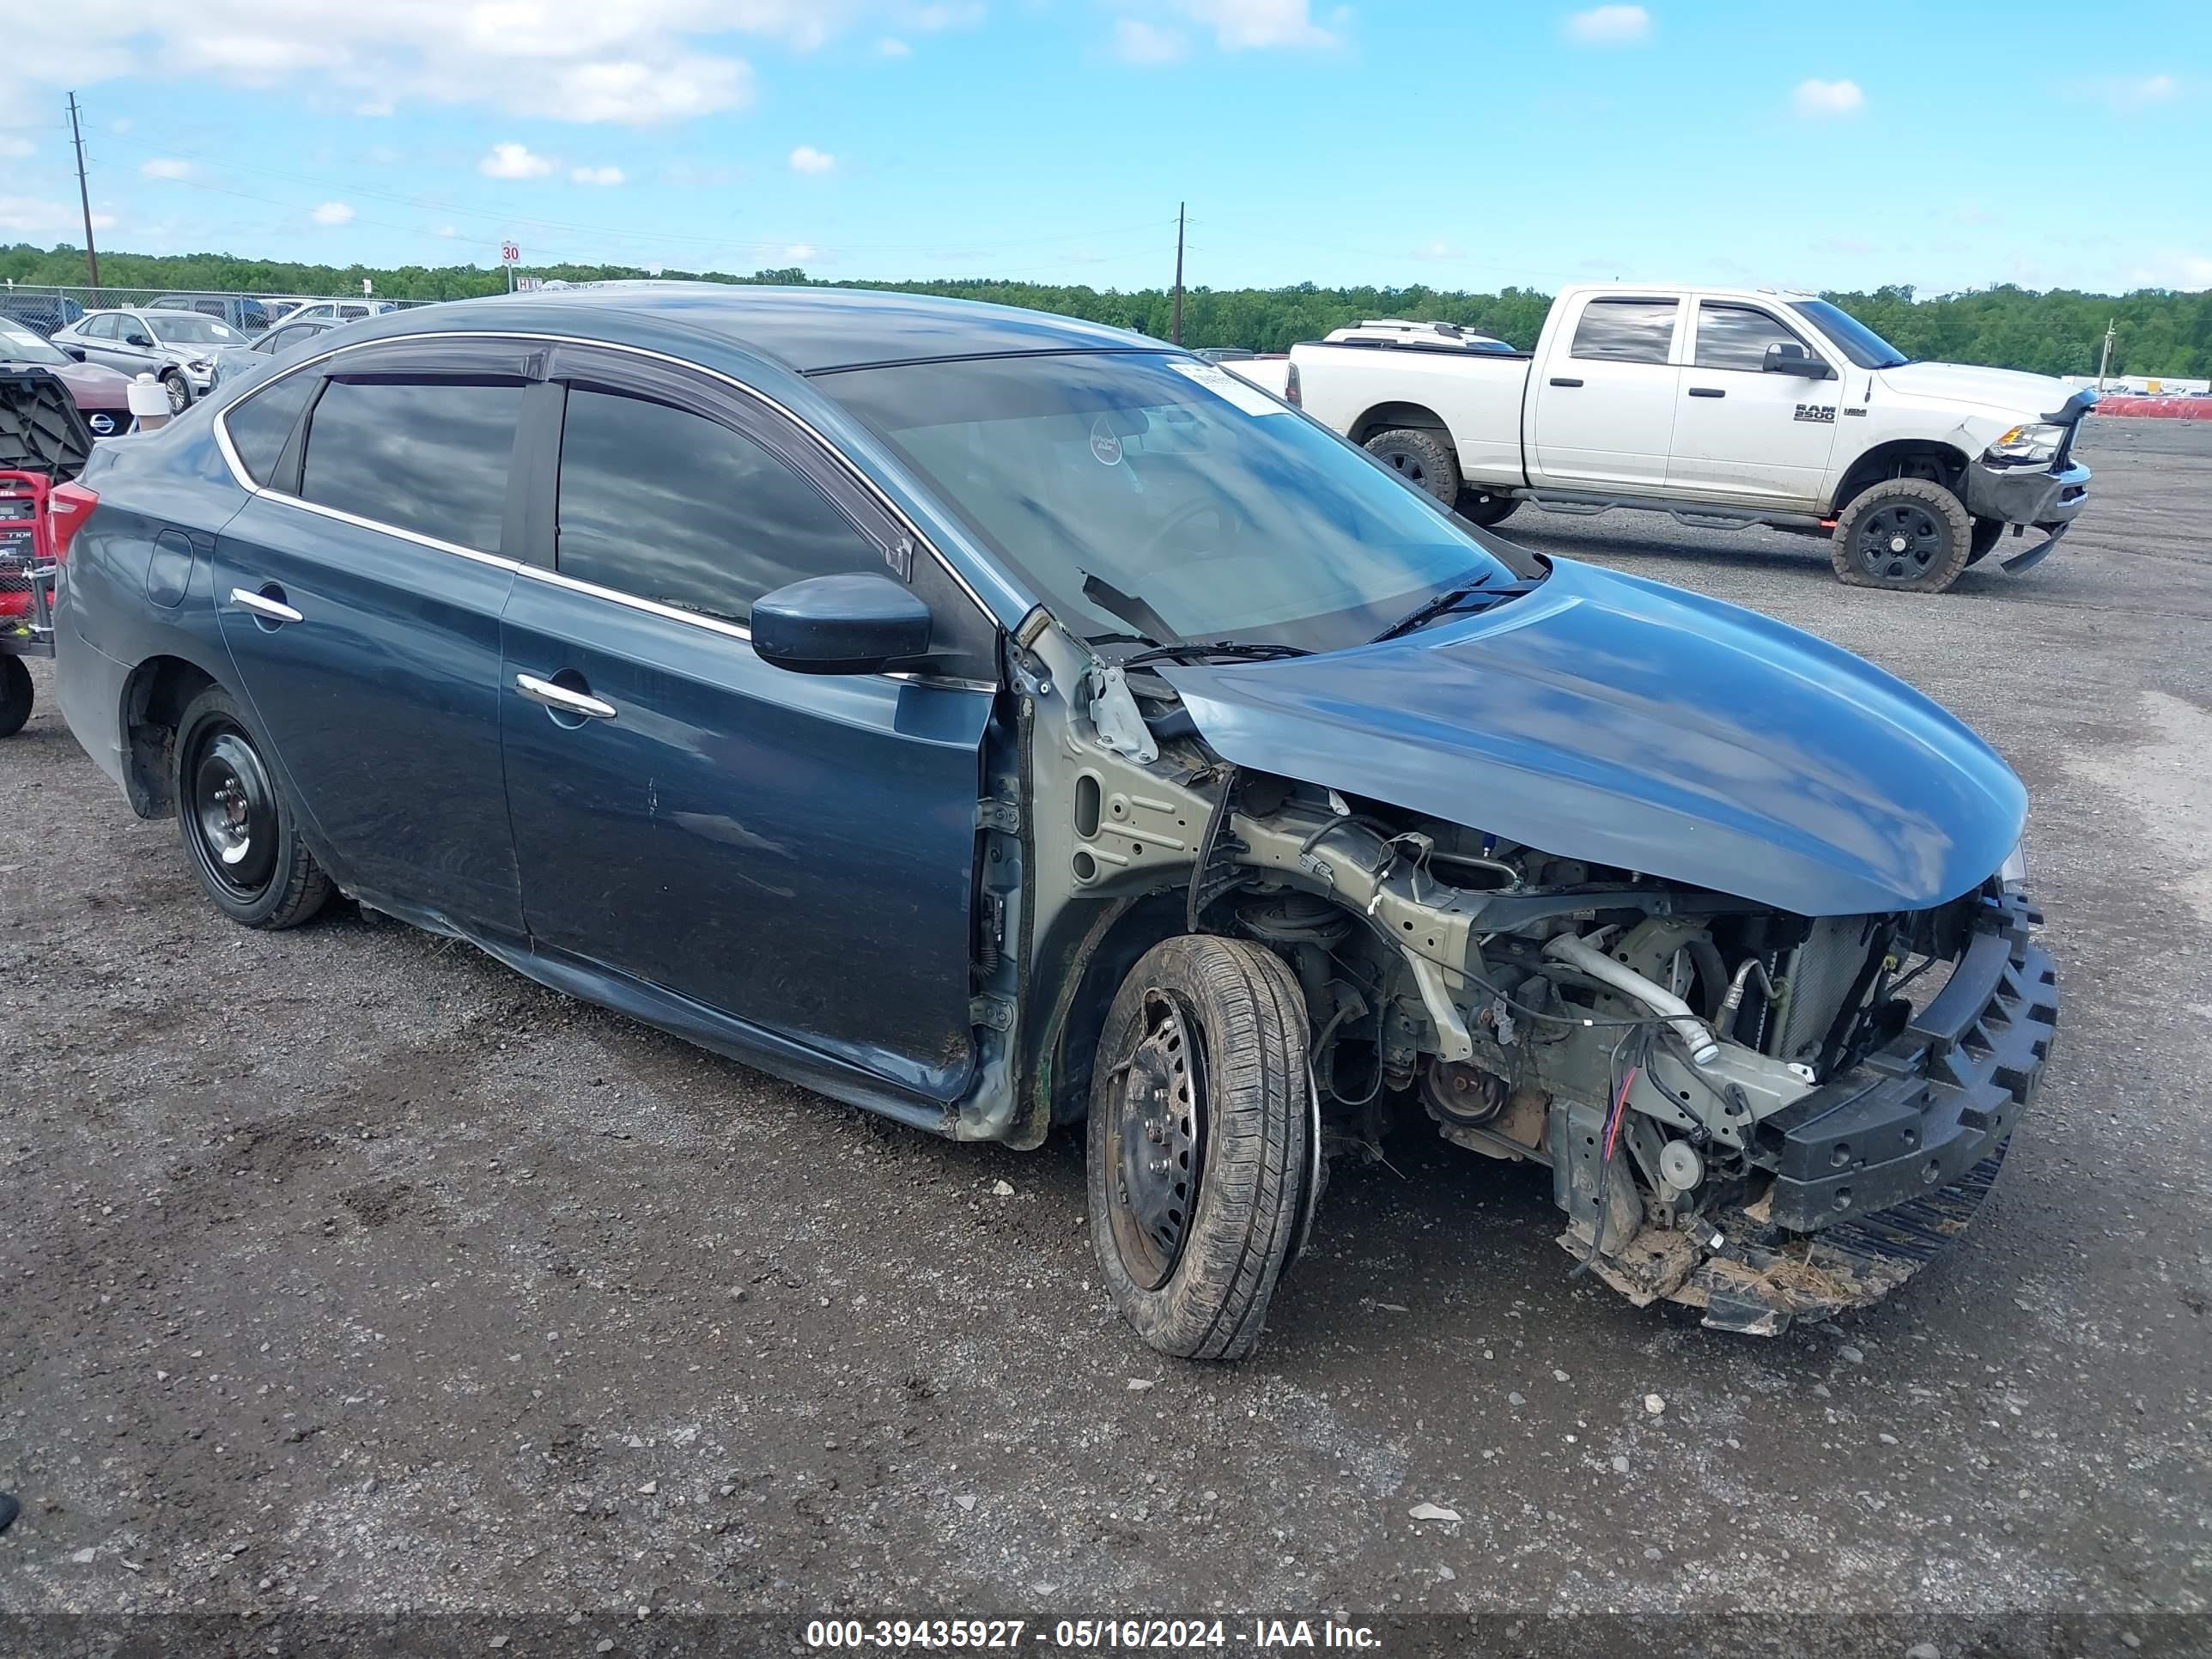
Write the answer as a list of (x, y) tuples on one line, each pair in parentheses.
[(1876, 1171)]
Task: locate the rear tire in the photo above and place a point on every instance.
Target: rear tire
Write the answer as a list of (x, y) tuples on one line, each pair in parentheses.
[(238, 828), (16, 696), (1483, 507), (1200, 1142), (1422, 458), (1987, 533), (1908, 535)]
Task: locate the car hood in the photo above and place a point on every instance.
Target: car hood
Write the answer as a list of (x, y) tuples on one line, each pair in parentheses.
[(2007, 391), (95, 385), (1609, 719)]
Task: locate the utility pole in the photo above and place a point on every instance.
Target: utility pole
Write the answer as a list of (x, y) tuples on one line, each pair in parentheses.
[(84, 195), (1178, 298), (2106, 362)]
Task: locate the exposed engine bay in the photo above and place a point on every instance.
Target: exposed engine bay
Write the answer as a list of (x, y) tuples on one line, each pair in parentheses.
[(1762, 1114)]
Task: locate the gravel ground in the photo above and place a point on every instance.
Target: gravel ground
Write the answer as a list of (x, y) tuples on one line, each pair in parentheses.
[(344, 1270)]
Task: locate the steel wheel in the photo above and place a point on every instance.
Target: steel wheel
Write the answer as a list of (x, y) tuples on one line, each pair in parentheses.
[(1900, 543), (1155, 1141), (232, 811)]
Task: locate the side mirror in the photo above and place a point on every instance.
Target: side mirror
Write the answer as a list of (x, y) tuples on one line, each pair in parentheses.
[(135, 338), (841, 625), (1787, 357), (75, 351)]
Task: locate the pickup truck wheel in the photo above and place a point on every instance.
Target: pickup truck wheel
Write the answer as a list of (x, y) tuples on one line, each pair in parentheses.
[(1911, 535), (1421, 457), (1987, 533), (1199, 1143), (238, 826), (16, 696), (1483, 507)]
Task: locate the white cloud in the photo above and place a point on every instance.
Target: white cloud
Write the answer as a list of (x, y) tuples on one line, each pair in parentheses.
[(891, 46), (515, 161), (332, 213), (1439, 249), (447, 231), (1819, 99), (1244, 25), (2188, 272), (800, 250), (11, 145), (2129, 95), (596, 175), (40, 221), (166, 166), (1610, 26), (2155, 89), (807, 159), (945, 15), (1136, 41)]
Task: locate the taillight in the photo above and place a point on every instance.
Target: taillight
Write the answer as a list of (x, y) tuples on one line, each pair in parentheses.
[(67, 508), (1292, 393)]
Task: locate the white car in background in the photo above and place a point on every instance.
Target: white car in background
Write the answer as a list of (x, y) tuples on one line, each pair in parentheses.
[(1724, 407)]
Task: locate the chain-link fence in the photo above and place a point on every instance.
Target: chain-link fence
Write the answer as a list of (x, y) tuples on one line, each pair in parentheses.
[(46, 307)]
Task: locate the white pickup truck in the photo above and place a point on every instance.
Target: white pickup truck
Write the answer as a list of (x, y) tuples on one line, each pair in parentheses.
[(1724, 407)]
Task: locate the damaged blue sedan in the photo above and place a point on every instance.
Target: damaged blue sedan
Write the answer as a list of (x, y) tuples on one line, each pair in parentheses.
[(1000, 722)]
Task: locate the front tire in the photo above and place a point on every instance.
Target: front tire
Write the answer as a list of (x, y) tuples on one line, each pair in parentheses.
[(16, 696), (1909, 535), (1200, 1143), (238, 828), (1422, 458), (180, 392)]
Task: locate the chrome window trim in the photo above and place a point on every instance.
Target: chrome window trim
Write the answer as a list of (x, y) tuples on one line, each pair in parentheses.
[(891, 508)]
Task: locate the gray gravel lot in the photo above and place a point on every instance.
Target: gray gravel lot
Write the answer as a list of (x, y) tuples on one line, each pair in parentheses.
[(345, 1269)]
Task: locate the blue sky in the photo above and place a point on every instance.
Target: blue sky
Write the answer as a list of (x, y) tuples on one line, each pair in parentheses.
[(1471, 145)]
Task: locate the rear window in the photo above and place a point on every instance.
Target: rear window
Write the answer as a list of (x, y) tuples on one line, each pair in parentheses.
[(259, 425), (1625, 330), (427, 455)]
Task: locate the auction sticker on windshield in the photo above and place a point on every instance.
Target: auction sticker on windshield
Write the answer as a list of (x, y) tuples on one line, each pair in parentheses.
[(1243, 393)]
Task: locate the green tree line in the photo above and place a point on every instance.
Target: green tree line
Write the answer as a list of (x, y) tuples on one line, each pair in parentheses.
[(2060, 331)]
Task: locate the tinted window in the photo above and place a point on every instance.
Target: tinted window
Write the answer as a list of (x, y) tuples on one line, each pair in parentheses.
[(1736, 337), (1865, 347), (259, 425), (98, 328), (430, 456), (1144, 493), (189, 328), (678, 508), (1625, 330)]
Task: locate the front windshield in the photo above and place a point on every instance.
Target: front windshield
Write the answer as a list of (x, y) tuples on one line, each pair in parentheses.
[(19, 344), (1144, 493), (1853, 338), (194, 330)]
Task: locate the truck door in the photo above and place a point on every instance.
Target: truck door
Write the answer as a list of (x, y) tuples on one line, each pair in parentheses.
[(1745, 431), (1602, 413)]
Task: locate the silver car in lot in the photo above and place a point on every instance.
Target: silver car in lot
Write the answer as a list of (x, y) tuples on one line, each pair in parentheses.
[(178, 347)]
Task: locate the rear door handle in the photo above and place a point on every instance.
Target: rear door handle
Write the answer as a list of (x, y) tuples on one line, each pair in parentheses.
[(561, 698), (1560, 380), (1707, 391), (261, 605)]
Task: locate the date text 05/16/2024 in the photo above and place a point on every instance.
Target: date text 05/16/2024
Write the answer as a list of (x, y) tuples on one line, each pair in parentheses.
[(1089, 1635)]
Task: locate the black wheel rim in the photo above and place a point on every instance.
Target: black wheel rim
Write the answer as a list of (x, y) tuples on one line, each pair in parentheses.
[(1900, 543), (233, 813), (1155, 1153), (1406, 462)]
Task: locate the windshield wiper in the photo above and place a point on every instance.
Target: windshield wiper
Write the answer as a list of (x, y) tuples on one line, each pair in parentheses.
[(1216, 651), (1469, 596)]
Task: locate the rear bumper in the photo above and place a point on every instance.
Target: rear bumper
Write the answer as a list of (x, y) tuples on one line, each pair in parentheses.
[(88, 685), (2021, 495)]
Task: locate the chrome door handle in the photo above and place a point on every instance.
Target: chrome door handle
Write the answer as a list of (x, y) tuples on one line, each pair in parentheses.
[(261, 605), (561, 697)]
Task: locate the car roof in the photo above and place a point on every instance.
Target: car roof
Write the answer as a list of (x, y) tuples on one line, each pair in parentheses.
[(812, 330)]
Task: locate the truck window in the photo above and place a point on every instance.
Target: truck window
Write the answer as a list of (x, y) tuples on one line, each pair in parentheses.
[(1625, 330), (1736, 337)]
